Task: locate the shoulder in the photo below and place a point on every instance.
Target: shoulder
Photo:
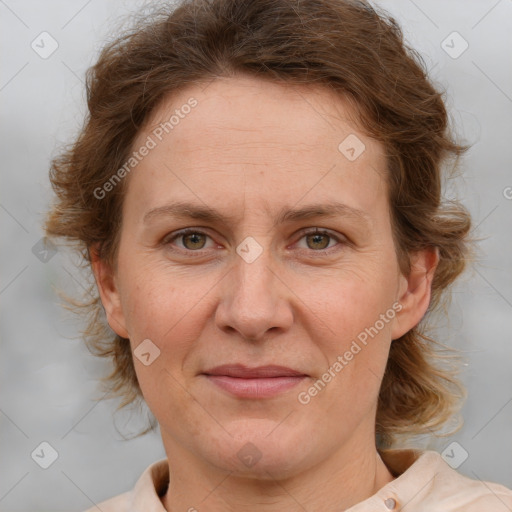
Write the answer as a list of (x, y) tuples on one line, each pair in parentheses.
[(145, 495), (429, 483)]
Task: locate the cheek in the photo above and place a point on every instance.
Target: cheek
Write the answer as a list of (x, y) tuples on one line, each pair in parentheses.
[(151, 299), (166, 307), (160, 311), (351, 300), (358, 314)]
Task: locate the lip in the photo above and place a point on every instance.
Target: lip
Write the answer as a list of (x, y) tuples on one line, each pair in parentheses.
[(259, 382)]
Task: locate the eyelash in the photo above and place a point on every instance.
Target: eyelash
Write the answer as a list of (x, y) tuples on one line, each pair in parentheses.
[(187, 231)]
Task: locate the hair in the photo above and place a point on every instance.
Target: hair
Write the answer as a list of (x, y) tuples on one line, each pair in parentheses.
[(348, 47)]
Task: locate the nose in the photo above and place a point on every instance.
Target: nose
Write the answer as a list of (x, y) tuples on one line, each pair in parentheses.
[(255, 300)]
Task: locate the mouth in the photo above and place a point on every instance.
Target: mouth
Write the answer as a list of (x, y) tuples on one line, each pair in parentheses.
[(260, 382)]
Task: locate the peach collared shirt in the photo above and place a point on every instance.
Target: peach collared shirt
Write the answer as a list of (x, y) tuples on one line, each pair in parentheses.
[(424, 483)]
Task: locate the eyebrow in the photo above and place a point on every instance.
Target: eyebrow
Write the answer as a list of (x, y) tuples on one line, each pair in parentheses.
[(186, 210)]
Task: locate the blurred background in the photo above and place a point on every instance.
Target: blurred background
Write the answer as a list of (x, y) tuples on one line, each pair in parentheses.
[(49, 381)]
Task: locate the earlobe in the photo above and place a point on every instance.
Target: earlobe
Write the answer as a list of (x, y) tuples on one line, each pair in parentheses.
[(109, 293), (415, 290)]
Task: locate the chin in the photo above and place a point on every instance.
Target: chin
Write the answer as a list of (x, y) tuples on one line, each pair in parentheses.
[(255, 453)]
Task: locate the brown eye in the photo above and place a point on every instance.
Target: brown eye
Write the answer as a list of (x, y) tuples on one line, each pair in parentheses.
[(187, 240), (318, 240), (193, 240), (321, 241)]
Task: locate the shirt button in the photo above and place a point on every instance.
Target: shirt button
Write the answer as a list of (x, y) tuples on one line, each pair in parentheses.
[(390, 503)]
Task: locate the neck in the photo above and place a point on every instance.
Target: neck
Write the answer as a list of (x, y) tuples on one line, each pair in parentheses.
[(343, 480)]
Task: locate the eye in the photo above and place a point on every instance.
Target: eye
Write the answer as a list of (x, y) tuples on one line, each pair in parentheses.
[(319, 240), (192, 240)]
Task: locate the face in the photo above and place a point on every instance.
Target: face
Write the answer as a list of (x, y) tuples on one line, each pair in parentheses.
[(287, 274)]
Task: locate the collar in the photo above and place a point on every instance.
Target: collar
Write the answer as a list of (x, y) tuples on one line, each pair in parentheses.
[(423, 481)]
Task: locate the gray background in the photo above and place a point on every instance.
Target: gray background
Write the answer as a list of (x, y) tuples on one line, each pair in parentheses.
[(48, 381)]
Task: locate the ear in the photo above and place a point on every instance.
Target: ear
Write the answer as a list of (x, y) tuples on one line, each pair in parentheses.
[(415, 291), (109, 293)]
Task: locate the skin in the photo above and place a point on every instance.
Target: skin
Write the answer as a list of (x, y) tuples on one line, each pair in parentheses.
[(248, 149)]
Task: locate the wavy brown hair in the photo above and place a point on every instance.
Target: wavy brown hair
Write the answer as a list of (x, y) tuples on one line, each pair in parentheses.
[(348, 47)]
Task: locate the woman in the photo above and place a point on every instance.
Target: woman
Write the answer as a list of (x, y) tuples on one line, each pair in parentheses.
[(257, 189)]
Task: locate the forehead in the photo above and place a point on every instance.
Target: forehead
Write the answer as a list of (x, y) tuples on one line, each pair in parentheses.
[(270, 137), (254, 107)]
